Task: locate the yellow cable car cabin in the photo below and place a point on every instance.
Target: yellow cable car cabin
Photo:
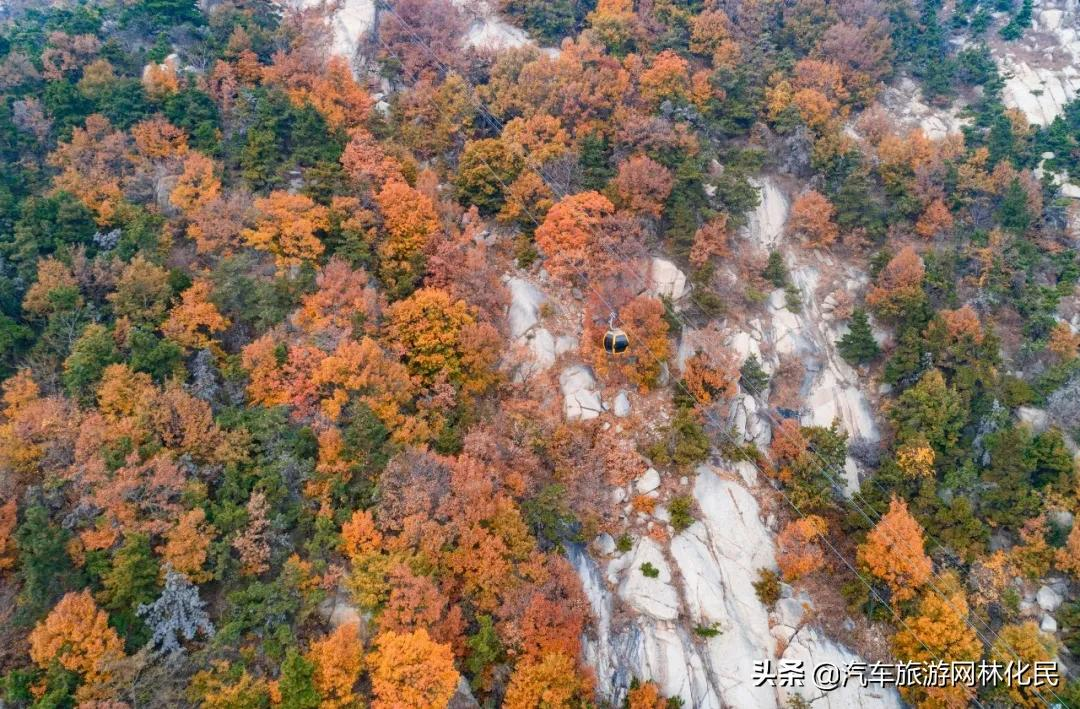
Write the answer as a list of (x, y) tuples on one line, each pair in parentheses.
[(616, 341)]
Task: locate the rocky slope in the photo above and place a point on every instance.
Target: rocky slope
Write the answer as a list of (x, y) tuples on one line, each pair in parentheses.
[(696, 626), (1042, 68)]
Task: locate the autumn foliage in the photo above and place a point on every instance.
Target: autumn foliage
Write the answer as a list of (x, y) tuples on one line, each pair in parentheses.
[(894, 552), (338, 660), (939, 630), (812, 219), (800, 553), (288, 226), (899, 285), (570, 236), (409, 669), (76, 634)]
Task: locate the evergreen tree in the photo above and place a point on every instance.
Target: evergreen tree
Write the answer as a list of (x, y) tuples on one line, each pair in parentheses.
[(752, 378), (485, 650), (1053, 462), (130, 582), (297, 684), (178, 614), (934, 410), (775, 270), (90, 355), (1009, 498), (45, 568), (1014, 213), (858, 346)]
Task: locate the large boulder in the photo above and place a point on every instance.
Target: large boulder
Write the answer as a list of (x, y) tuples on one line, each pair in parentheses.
[(581, 400), (525, 302), (666, 280)]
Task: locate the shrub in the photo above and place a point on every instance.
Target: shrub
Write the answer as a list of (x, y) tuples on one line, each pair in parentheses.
[(680, 507), (707, 631), (767, 587), (649, 570)]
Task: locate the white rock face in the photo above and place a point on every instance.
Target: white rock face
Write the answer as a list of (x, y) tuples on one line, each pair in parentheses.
[(666, 280), (1048, 599), (904, 103), (747, 423), (621, 406), (806, 645), (765, 225), (350, 23), (716, 562), (525, 302), (604, 544), (648, 482), (491, 32), (581, 400), (1037, 419), (337, 609), (1041, 68), (654, 597), (523, 318)]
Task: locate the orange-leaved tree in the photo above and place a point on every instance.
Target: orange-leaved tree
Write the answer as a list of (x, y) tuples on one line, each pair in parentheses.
[(1025, 643), (894, 552), (939, 630), (812, 219), (252, 541), (417, 602), (899, 285), (289, 227), (935, 220), (667, 79), (441, 337), (800, 553), (330, 88), (187, 545), (571, 234), (8, 519), (646, 696), (711, 239), (76, 634), (1064, 344), (1068, 557), (410, 222), (643, 185), (411, 670), (156, 139), (366, 162), (338, 660), (552, 681), (192, 321), (643, 321), (197, 186)]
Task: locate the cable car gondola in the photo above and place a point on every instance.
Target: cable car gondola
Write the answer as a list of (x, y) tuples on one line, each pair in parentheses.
[(615, 340)]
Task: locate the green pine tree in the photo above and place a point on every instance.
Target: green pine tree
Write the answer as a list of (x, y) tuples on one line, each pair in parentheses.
[(775, 271), (45, 568), (752, 377), (90, 355), (858, 346), (297, 682), (129, 582), (1014, 213)]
